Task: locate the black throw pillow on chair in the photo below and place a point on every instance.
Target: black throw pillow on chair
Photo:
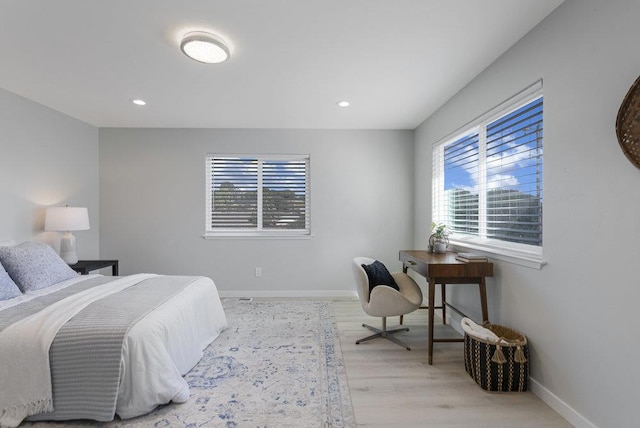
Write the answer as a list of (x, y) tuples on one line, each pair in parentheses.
[(379, 275)]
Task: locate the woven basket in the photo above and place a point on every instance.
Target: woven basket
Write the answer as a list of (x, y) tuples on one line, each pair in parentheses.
[(628, 124), (498, 366)]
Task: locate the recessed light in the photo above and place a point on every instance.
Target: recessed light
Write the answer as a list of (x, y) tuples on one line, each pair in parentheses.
[(344, 104), (204, 47), (139, 102)]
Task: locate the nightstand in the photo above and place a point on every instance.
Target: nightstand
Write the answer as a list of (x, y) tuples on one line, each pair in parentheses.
[(83, 267)]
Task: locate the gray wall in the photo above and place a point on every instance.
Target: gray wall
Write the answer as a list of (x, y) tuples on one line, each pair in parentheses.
[(579, 311), (46, 159), (152, 202)]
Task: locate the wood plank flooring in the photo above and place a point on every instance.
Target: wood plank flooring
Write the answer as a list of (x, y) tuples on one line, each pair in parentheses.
[(393, 387)]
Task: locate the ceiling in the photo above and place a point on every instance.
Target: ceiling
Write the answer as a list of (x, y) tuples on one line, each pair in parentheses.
[(395, 61)]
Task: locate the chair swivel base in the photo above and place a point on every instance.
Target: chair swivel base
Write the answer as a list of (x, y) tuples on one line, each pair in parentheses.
[(387, 334)]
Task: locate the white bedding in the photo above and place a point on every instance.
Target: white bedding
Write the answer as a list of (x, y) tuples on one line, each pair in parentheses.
[(159, 350), (161, 347)]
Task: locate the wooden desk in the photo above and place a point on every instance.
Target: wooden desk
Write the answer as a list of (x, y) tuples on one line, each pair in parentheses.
[(445, 269)]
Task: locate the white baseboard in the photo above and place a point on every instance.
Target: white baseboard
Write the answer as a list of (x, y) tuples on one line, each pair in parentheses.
[(454, 319), (548, 397), (325, 294), (553, 401)]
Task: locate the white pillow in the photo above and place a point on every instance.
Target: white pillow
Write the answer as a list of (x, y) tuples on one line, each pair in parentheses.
[(34, 265), (9, 243)]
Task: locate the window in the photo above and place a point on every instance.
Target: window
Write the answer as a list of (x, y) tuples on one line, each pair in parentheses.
[(487, 179), (257, 195)]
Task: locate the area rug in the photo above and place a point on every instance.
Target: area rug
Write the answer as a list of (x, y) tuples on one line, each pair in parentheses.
[(278, 364)]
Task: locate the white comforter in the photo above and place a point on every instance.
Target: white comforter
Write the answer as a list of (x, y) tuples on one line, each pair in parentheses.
[(164, 345)]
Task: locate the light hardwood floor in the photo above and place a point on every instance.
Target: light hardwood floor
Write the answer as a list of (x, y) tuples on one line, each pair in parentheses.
[(393, 387)]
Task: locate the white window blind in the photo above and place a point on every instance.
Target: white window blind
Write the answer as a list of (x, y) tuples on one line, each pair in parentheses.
[(487, 178), (257, 195)]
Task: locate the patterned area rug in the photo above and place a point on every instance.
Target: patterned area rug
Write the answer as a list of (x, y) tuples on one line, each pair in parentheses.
[(278, 364)]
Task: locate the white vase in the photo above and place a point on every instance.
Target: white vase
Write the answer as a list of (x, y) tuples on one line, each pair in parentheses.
[(440, 247)]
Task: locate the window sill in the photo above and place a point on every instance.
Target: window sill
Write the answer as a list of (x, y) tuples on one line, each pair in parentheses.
[(258, 236), (521, 258)]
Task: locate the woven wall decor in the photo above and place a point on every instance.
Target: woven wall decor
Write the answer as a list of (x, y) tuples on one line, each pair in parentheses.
[(628, 124)]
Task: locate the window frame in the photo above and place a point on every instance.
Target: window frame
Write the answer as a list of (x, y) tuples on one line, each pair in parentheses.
[(258, 232), (523, 254)]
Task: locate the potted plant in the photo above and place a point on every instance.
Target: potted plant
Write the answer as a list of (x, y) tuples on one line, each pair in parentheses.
[(439, 238)]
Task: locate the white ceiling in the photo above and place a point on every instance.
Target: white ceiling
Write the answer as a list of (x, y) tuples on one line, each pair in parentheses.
[(396, 61)]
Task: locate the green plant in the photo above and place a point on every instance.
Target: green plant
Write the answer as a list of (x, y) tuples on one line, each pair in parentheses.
[(439, 238), (439, 231)]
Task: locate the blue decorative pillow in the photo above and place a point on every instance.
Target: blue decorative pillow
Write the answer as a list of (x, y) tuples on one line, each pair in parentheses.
[(34, 265), (8, 288), (379, 275)]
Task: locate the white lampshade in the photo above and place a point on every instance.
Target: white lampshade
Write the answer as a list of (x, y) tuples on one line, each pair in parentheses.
[(64, 219)]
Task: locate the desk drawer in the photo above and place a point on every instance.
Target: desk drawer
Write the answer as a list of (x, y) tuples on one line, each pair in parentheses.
[(414, 264), (444, 265)]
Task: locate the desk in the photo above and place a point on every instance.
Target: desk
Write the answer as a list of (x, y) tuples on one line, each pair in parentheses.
[(83, 267), (445, 269)]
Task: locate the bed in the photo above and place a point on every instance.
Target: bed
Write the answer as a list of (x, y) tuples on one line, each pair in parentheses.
[(93, 347)]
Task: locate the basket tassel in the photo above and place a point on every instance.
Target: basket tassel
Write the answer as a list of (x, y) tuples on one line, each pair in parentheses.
[(519, 355), (498, 356)]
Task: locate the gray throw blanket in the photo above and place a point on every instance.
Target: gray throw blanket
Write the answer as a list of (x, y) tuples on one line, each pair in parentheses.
[(85, 356)]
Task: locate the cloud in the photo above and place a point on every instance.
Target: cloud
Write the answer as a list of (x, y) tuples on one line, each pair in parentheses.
[(515, 155), (502, 181), (504, 169)]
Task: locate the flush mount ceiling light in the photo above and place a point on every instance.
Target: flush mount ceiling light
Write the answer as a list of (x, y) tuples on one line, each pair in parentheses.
[(343, 103), (139, 102), (204, 47)]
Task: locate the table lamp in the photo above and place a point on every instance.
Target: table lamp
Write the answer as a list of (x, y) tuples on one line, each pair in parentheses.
[(67, 219)]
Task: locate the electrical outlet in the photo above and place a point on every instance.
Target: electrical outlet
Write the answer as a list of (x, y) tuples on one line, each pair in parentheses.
[(258, 272)]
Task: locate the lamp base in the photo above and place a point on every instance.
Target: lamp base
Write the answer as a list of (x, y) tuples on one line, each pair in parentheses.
[(68, 248)]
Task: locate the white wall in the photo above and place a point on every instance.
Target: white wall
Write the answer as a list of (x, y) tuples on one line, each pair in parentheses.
[(580, 311), (46, 159), (152, 202)]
